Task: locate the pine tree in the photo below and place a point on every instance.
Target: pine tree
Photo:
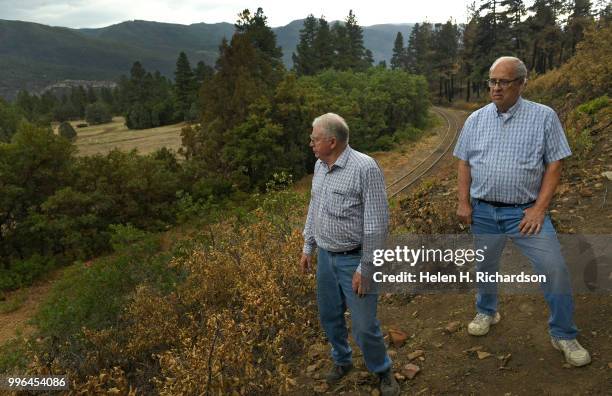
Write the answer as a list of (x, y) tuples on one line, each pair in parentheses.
[(324, 46), (255, 27), (444, 59), (184, 85), (514, 13), (398, 59), (305, 61), (357, 56), (91, 95), (203, 72), (546, 47), (341, 47), (420, 48), (579, 19)]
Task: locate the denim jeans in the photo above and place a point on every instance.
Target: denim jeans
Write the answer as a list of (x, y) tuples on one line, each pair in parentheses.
[(334, 295), (491, 226)]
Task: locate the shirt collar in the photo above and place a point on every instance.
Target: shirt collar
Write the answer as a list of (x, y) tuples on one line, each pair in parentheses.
[(343, 158), (512, 110)]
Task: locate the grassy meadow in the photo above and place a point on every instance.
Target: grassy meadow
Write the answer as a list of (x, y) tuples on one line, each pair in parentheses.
[(100, 139)]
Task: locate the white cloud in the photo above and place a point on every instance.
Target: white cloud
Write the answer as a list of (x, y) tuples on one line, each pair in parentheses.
[(97, 13)]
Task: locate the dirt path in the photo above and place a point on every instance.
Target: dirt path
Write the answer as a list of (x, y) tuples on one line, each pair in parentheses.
[(16, 322)]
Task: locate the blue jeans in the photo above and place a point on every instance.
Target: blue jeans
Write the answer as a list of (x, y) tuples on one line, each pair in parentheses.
[(334, 295), (491, 225)]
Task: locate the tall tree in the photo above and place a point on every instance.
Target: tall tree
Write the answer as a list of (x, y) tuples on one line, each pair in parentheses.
[(324, 46), (398, 59), (445, 58), (305, 61), (255, 28), (579, 19), (420, 44), (546, 46), (357, 55), (184, 85), (248, 70), (515, 11)]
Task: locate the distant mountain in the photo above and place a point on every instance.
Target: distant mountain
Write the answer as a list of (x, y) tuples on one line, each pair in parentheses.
[(33, 56)]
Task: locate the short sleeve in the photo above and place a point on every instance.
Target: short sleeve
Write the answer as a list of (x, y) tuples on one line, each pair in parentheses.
[(462, 146), (556, 145)]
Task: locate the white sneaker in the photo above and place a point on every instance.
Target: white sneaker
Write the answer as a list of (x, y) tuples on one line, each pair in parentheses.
[(480, 324), (574, 353)]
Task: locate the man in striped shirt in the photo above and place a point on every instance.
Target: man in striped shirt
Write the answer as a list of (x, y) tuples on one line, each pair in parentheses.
[(510, 154), (347, 218)]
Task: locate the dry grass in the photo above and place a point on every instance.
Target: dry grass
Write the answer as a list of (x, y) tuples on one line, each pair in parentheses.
[(101, 139)]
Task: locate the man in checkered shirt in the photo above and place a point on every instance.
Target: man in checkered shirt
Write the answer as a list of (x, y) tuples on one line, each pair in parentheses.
[(347, 216), (510, 154)]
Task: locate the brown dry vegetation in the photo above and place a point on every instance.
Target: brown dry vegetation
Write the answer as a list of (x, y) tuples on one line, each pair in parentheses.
[(101, 139)]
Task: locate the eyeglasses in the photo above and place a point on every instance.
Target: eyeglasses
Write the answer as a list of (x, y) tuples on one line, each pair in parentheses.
[(315, 139), (502, 83)]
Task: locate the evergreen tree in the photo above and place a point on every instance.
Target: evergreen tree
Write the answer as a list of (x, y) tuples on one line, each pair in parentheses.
[(78, 98), (97, 113), (91, 95), (514, 13), (419, 52), (203, 72), (341, 47), (468, 54), (445, 58), (398, 59), (546, 36), (357, 56), (305, 61), (324, 46), (256, 29), (579, 19), (66, 130), (184, 85), (248, 70)]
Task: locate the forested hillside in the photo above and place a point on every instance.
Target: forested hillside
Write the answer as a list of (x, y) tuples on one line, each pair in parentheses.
[(35, 55)]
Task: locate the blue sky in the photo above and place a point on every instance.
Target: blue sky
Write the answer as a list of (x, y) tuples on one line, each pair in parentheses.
[(99, 13)]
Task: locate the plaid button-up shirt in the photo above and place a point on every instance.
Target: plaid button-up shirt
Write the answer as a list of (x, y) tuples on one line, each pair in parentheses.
[(348, 206), (507, 152)]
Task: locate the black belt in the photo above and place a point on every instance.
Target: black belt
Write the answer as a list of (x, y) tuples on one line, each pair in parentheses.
[(503, 204), (352, 251)]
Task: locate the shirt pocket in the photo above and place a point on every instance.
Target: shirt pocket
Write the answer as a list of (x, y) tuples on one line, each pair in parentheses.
[(343, 204), (531, 152)]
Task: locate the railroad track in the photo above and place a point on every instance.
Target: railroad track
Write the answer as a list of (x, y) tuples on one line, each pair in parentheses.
[(409, 178)]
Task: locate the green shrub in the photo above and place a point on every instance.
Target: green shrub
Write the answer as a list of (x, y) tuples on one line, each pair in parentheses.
[(24, 272), (98, 113), (408, 133), (593, 106), (66, 130)]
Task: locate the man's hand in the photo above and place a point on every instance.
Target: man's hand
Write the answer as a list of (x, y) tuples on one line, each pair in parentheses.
[(532, 221), (361, 284), (306, 263), (464, 212)]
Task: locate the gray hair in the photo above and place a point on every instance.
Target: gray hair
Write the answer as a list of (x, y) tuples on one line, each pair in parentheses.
[(520, 71), (334, 126)]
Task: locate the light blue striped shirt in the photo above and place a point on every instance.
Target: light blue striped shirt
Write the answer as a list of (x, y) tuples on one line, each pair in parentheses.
[(507, 152), (348, 206)]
